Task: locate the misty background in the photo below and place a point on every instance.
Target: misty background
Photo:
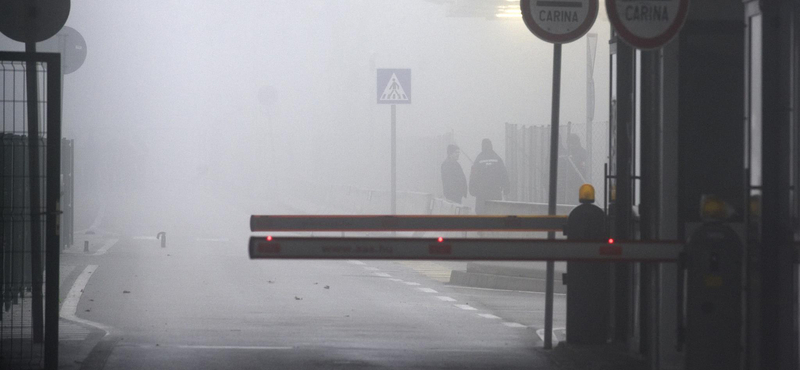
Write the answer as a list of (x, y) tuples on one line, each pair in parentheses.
[(166, 115)]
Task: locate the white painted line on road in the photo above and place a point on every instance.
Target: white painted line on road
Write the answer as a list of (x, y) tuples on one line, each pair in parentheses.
[(109, 243), (382, 274), (446, 299), (145, 238), (466, 307), (262, 348), (395, 279), (504, 290), (70, 306), (371, 268), (514, 325), (355, 262), (488, 316), (427, 290), (410, 283)]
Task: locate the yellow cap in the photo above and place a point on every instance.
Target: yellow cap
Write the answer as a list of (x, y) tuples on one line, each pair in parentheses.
[(586, 193), (713, 207)]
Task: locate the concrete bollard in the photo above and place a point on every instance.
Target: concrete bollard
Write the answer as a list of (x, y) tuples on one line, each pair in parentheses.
[(86, 246), (163, 236)]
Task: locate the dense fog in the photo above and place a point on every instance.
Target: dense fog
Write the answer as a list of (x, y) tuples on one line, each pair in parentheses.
[(193, 112)]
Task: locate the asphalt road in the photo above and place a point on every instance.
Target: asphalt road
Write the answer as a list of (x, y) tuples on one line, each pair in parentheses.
[(202, 304)]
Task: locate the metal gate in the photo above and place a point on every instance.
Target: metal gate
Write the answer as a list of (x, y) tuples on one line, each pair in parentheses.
[(29, 210)]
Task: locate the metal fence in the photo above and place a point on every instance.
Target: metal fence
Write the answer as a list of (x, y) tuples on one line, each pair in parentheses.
[(29, 192), (581, 159)]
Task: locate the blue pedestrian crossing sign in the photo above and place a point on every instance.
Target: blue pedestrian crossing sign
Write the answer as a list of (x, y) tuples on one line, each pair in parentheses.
[(394, 86)]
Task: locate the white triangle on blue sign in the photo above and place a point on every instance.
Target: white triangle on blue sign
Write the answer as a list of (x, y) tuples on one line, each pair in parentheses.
[(394, 91)]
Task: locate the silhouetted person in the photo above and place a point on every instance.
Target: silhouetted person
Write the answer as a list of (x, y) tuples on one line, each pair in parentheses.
[(488, 179), (454, 183), (588, 301)]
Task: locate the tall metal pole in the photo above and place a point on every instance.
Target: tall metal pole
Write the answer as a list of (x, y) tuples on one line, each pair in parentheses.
[(591, 51), (35, 194), (53, 247), (551, 206), (394, 160)]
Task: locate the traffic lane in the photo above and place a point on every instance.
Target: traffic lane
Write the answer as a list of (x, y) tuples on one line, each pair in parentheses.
[(205, 298), (138, 357), (526, 308)]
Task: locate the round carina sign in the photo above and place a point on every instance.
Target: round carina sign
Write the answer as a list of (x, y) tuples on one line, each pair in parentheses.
[(647, 24), (559, 21), (32, 20)]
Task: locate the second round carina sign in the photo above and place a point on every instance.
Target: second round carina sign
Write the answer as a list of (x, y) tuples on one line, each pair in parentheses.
[(647, 24), (559, 21)]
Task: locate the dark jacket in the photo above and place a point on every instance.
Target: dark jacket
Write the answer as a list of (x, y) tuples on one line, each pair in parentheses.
[(488, 179), (586, 222), (454, 183)]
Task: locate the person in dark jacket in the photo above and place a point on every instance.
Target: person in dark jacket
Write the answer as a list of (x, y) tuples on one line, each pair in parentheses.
[(488, 179), (454, 183)]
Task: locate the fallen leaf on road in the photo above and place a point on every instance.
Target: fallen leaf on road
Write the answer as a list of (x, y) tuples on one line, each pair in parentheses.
[(298, 298), (88, 310), (327, 287), (126, 291), (270, 281)]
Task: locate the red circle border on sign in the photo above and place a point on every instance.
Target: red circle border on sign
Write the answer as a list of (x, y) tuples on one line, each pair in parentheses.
[(525, 6), (647, 43)]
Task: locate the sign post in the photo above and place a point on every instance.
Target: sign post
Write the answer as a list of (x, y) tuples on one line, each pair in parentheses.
[(647, 24), (557, 22), (394, 87)]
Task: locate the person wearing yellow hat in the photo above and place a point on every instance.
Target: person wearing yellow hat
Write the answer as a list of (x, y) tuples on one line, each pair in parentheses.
[(588, 282)]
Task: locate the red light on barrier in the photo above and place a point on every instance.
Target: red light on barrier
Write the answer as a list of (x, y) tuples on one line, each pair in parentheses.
[(441, 239), (269, 238), (610, 241)]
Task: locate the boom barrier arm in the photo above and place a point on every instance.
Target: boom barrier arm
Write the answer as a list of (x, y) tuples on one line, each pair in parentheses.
[(460, 249), (407, 223)]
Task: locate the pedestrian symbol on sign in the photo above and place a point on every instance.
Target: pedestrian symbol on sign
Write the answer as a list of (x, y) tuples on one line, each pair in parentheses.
[(393, 90), (394, 86)]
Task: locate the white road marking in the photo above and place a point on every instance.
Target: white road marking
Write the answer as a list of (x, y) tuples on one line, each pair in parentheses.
[(382, 274), (145, 238), (234, 347), (395, 279), (355, 262), (427, 290), (70, 306), (446, 299), (514, 325), (504, 290), (410, 283), (109, 243), (466, 307), (371, 268), (488, 316)]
